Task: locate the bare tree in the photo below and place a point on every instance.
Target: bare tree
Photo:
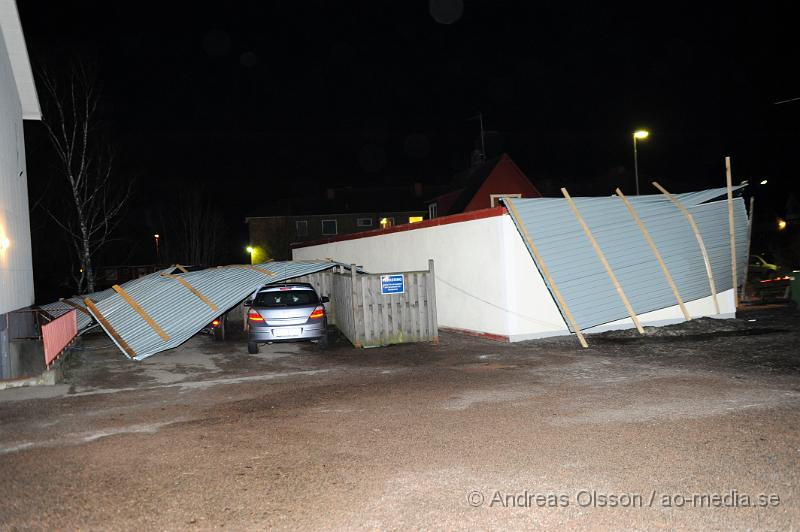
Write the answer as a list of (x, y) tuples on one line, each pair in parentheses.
[(95, 200), (194, 229)]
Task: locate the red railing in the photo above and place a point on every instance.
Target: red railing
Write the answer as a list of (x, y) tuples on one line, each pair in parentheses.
[(58, 334)]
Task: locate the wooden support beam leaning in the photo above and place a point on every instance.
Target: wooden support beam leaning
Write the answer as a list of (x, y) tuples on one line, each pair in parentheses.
[(546, 272), (181, 268), (193, 290), (732, 232), (604, 262), (139, 310), (107, 326), (75, 306), (253, 267), (700, 243), (657, 254)]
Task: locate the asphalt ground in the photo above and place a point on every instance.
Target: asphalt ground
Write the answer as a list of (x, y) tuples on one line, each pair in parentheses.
[(692, 426)]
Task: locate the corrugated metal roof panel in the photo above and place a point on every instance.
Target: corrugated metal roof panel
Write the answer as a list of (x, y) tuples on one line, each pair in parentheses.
[(581, 278), (179, 312), (58, 308)]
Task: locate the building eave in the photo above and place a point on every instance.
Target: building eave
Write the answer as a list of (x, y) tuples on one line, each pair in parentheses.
[(20, 62)]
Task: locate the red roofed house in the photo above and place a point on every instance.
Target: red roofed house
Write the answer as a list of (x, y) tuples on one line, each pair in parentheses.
[(481, 186)]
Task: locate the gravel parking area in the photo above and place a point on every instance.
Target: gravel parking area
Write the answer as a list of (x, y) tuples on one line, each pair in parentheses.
[(692, 426)]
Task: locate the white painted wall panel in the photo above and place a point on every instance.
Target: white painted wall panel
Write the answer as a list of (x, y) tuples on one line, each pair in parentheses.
[(485, 279), (16, 269)]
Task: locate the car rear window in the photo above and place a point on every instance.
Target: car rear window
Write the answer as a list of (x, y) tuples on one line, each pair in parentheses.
[(286, 298)]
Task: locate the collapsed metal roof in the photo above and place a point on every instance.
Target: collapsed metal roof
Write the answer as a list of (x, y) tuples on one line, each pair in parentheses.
[(587, 289), (85, 319), (162, 310)]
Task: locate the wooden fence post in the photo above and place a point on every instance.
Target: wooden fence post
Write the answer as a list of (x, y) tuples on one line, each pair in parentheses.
[(354, 304), (431, 286)]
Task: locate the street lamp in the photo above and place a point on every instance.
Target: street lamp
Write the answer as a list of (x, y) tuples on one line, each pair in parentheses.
[(157, 238), (250, 250), (639, 134)]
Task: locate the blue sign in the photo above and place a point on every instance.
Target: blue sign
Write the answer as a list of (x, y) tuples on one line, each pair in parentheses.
[(393, 284)]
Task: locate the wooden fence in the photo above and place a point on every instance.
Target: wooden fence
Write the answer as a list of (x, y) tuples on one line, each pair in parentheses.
[(369, 316)]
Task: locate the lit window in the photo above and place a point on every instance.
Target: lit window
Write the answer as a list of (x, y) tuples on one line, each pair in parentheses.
[(301, 227), (414, 219), (433, 211), (387, 222), (329, 227), (364, 222)]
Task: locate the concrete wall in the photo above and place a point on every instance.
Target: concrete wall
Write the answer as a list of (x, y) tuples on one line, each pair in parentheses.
[(485, 279), (16, 269)]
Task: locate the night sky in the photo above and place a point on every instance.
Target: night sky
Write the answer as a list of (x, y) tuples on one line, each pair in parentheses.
[(259, 100)]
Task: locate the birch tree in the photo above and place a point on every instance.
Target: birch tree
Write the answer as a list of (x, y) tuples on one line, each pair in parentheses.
[(94, 201)]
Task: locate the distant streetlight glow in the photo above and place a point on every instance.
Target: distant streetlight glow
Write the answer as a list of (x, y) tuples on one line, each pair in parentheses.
[(764, 182), (781, 224), (250, 249), (157, 238), (639, 134)]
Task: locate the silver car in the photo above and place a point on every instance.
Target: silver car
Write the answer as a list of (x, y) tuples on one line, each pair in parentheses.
[(286, 312)]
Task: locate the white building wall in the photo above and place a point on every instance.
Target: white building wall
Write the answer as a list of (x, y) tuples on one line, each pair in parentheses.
[(486, 280), (16, 270)]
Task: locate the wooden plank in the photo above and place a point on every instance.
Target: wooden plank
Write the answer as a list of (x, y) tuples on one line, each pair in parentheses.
[(546, 272), (747, 253), (366, 302), (139, 310), (354, 304), (422, 307), (604, 262), (193, 290), (432, 301), (75, 306), (698, 237), (655, 251), (181, 268), (731, 232), (109, 329), (255, 268)]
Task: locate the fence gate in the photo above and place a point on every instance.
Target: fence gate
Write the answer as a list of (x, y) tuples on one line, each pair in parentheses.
[(387, 308)]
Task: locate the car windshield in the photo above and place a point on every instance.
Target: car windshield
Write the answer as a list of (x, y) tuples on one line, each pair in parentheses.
[(286, 298)]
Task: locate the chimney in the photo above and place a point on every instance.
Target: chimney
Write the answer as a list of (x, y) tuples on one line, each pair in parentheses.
[(418, 189)]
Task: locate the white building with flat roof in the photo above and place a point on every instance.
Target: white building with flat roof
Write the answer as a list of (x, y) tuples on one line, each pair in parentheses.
[(18, 102)]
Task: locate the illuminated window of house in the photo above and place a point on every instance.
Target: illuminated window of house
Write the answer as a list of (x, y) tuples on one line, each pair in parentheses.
[(494, 199), (387, 222), (414, 219), (301, 227)]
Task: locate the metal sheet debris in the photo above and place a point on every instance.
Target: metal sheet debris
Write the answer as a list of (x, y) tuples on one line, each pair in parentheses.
[(584, 283), (178, 312)]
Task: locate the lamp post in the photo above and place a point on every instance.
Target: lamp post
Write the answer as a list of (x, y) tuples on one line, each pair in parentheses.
[(157, 238), (639, 134), (250, 250)]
